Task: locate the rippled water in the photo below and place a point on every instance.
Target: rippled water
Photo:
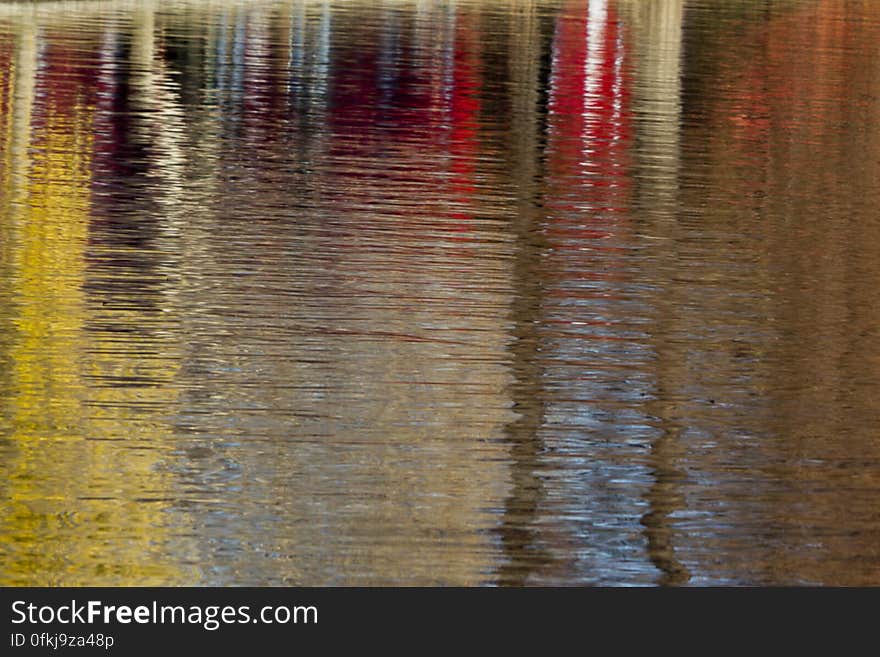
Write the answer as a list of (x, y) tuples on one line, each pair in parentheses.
[(412, 292)]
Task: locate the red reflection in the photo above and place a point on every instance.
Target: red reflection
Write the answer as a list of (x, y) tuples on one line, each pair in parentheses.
[(463, 142), (590, 124), (590, 129)]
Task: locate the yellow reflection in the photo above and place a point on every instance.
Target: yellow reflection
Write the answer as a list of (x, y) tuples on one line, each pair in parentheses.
[(77, 508)]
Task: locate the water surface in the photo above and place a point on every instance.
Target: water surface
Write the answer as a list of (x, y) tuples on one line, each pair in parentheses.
[(411, 292)]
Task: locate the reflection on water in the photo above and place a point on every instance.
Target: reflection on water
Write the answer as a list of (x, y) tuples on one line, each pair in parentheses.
[(509, 292)]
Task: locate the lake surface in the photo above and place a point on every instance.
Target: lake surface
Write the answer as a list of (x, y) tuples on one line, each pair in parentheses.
[(411, 293)]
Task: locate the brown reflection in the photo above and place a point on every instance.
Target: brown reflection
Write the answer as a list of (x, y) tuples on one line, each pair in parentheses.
[(657, 33), (529, 48), (781, 311), (824, 372)]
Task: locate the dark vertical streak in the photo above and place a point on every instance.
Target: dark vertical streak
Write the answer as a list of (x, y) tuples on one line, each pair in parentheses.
[(520, 537)]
